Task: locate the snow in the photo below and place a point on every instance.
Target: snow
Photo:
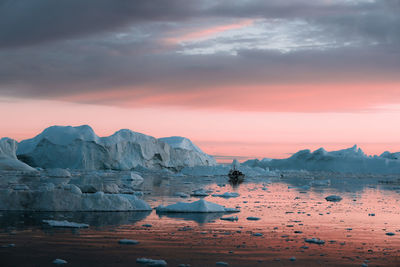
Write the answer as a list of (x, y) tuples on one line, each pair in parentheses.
[(67, 224), (350, 160), (80, 148), (8, 158), (197, 206), (180, 142)]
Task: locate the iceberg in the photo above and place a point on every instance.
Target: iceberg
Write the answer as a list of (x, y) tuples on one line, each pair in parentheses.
[(350, 160), (67, 197), (80, 148), (197, 206), (8, 157)]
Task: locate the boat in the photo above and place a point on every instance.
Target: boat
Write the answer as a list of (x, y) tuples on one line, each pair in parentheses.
[(235, 176)]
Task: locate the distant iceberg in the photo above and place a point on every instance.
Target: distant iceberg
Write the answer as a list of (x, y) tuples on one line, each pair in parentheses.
[(350, 160), (80, 148)]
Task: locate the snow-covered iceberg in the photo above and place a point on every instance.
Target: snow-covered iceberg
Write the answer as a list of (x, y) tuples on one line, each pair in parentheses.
[(80, 148), (350, 160), (8, 158)]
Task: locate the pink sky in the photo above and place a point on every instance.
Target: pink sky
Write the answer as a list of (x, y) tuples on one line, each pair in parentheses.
[(218, 132)]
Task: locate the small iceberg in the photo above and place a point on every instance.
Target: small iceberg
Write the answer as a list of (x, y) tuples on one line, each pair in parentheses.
[(128, 242), (231, 218), (333, 198), (197, 206), (252, 218), (66, 224), (315, 241), (227, 195), (59, 261), (150, 262), (200, 193)]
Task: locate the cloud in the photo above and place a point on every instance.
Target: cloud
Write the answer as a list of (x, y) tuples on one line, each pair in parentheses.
[(260, 52)]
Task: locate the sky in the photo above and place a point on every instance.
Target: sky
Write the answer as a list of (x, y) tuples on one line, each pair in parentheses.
[(245, 78)]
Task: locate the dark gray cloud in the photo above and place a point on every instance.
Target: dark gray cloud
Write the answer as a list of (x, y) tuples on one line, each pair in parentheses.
[(26, 22), (54, 49)]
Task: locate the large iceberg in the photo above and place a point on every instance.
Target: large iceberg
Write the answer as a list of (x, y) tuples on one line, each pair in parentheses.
[(66, 197), (8, 158), (350, 160), (80, 148)]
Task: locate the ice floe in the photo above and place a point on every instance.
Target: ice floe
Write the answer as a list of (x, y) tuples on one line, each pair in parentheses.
[(59, 261), (227, 195), (128, 242), (151, 262), (333, 198), (65, 224), (197, 206)]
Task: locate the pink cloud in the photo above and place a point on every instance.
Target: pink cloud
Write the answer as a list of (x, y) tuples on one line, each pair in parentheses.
[(261, 98), (209, 32)]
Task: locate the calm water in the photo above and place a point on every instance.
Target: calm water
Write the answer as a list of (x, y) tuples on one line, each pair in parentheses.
[(354, 229)]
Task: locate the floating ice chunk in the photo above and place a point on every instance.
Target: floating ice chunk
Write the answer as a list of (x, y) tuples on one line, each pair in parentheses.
[(227, 195), (253, 218), (181, 194), (333, 198), (315, 241), (197, 206), (231, 218), (128, 242), (200, 193), (59, 261), (67, 224), (151, 262)]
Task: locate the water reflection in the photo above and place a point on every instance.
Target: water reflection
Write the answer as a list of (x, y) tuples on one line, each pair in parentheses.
[(200, 218), (21, 220)]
